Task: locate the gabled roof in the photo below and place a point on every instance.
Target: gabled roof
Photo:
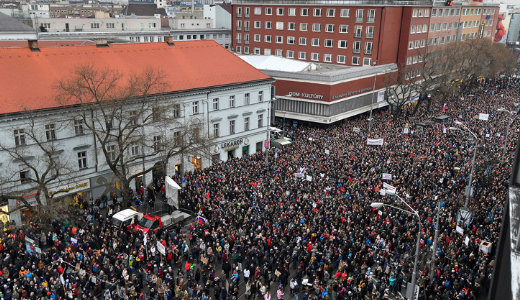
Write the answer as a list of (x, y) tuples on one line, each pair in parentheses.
[(9, 24), (27, 79), (144, 9)]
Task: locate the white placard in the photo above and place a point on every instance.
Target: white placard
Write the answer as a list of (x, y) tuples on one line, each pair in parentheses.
[(389, 188), (161, 248), (387, 176), (382, 192), (308, 178), (38, 250), (327, 151), (483, 117), (298, 175), (356, 129), (375, 142), (466, 241), (459, 230)]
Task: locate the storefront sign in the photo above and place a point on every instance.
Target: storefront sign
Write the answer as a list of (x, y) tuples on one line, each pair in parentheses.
[(306, 95), (231, 144), (70, 188), (351, 93)]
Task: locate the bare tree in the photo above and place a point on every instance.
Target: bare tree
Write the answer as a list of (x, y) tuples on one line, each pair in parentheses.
[(34, 163), (131, 120), (400, 88)]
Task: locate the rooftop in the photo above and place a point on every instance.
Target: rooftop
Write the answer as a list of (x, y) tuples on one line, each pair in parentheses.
[(185, 66), (294, 69), (9, 24)]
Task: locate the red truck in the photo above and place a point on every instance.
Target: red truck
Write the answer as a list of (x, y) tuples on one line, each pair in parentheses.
[(155, 223)]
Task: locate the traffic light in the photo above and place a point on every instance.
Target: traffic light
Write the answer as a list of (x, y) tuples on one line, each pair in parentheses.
[(449, 3)]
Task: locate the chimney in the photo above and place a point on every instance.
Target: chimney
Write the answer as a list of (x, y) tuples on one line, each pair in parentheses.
[(169, 40), (100, 43), (33, 45)]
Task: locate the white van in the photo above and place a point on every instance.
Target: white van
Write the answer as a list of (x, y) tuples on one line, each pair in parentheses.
[(126, 217)]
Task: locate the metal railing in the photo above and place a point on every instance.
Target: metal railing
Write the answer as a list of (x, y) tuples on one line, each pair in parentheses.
[(337, 2)]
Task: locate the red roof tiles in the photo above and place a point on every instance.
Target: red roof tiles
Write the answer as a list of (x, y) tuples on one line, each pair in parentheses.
[(27, 79)]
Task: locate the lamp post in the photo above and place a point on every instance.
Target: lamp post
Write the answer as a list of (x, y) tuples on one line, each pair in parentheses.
[(268, 141), (470, 184), (371, 104), (507, 129), (413, 212), (436, 236)]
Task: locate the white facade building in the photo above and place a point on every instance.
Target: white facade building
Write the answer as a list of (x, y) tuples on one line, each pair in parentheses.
[(99, 24), (230, 105), (221, 18)]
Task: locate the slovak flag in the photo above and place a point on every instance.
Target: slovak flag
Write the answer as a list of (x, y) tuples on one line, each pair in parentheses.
[(444, 107), (200, 220)]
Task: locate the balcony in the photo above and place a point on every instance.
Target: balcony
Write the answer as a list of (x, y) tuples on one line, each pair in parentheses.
[(359, 20), (356, 51), (371, 20), (369, 36), (368, 52), (238, 41), (247, 28), (358, 36)]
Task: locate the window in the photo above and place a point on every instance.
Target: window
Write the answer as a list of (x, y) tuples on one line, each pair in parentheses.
[(303, 41), (232, 127), (303, 26), (315, 42), (239, 12), (425, 28), (239, 39), (316, 27), (358, 33), (427, 12), (279, 11), (260, 120), (246, 12), (423, 42), (157, 143), (50, 132), (340, 59), (417, 43), (430, 41), (367, 61), (195, 106), (134, 149), (268, 11), (231, 101), (292, 12), (257, 24), (444, 26), (342, 44), (315, 56), (267, 38), (414, 13), (216, 130), (355, 60), (439, 26), (343, 28), (257, 37), (156, 113), (291, 26), (195, 133), (110, 25), (304, 12), (317, 12), (440, 12), (25, 176), (19, 137), (258, 11), (434, 12), (215, 103), (267, 51), (177, 139), (94, 25), (268, 25), (412, 30), (409, 60), (356, 47), (329, 28), (331, 12), (369, 32), (82, 160), (176, 110), (368, 47), (78, 127), (327, 58), (290, 54), (432, 27), (345, 13), (152, 25), (279, 25), (247, 98), (371, 18), (260, 96), (302, 55), (246, 124), (329, 43), (290, 40), (279, 39), (410, 45), (359, 16), (421, 12)]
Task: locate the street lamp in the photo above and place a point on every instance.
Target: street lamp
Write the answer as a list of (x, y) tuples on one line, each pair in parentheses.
[(413, 212), (371, 104), (268, 140), (512, 113), (468, 189)]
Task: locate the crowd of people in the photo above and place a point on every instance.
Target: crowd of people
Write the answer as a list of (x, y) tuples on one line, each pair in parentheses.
[(302, 227)]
